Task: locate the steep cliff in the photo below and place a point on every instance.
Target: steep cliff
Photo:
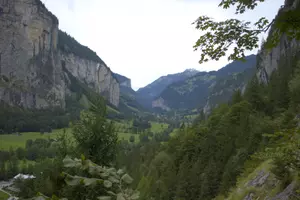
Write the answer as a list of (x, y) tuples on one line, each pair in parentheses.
[(28, 43), (123, 80), (87, 67), (31, 61), (268, 60)]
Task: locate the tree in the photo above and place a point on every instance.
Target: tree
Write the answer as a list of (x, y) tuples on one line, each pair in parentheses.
[(239, 35), (132, 139), (95, 136)]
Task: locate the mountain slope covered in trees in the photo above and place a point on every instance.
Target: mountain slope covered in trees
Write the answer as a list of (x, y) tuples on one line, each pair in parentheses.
[(150, 92), (194, 91)]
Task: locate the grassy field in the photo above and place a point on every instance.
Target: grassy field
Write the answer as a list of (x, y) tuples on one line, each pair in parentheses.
[(15, 141), (3, 195), (157, 127)]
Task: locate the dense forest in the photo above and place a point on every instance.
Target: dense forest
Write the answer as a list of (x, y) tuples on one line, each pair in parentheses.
[(205, 160)]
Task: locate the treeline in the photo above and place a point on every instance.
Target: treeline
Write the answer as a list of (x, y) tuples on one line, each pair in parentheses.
[(11, 161), (15, 119), (69, 45), (204, 160)]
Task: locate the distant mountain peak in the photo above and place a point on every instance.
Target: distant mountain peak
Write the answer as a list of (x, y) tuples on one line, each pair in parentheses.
[(191, 70)]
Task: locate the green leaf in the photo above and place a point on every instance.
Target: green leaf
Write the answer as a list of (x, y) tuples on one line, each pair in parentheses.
[(113, 179), (104, 198), (68, 162), (127, 179), (82, 157), (91, 181), (111, 193), (135, 196), (120, 172), (120, 197), (107, 184), (73, 180)]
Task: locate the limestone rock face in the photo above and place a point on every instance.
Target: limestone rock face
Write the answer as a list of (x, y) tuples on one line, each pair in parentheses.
[(108, 85), (95, 75), (268, 60), (31, 72), (160, 103), (28, 41)]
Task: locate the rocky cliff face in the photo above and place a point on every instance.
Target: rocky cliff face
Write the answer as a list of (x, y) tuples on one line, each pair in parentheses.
[(123, 80), (28, 42), (95, 75), (160, 103), (268, 60), (31, 72)]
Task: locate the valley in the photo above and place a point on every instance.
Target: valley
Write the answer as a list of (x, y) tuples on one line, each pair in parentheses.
[(82, 131)]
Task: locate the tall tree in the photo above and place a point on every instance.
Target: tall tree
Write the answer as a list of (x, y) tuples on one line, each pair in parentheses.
[(96, 137)]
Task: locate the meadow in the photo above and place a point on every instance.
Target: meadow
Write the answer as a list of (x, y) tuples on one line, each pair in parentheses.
[(3, 195), (15, 141)]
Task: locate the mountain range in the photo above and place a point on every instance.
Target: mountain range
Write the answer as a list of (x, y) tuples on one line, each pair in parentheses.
[(190, 89)]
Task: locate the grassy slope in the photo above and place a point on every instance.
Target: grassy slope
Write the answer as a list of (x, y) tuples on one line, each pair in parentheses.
[(270, 188), (157, 127), (3, 195), (15, 141)]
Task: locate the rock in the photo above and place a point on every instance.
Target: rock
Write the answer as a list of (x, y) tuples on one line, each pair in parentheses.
[(31, 73), (28, 41), (160, 103), (249, 196), (95, 75), (259, 180), (286, 193), (268, 60)]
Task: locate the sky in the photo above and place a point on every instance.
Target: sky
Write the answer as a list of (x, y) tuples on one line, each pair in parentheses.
[(146, 39)]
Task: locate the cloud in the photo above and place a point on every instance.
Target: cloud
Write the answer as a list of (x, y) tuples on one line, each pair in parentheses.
[(71, 5)]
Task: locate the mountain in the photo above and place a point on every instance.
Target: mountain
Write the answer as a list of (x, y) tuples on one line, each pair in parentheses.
[(194, 91), (128, 101), (37, 60), (223, 89), (146, 94), (125, 85)]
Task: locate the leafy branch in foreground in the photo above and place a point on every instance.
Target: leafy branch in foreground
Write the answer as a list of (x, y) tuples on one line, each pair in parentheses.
[(243, 35), (114, 181)]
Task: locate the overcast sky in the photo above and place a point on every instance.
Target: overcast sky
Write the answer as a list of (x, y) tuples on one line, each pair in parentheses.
[(145, 39)]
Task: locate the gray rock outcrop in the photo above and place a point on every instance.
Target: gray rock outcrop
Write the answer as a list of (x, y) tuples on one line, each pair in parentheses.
[(268, 60), (31, 72)]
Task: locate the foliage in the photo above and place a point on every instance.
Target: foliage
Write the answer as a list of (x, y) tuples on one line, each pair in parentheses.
[(242, 36), (3, 195), (206, 159), (14, 119), (284, 150), (114, 183), (94, 135)]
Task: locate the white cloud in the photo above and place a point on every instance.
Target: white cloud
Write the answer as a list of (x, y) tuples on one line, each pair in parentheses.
[(144, 39)]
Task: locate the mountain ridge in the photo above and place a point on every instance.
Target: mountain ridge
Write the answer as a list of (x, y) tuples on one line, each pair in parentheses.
[(193, 91)]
